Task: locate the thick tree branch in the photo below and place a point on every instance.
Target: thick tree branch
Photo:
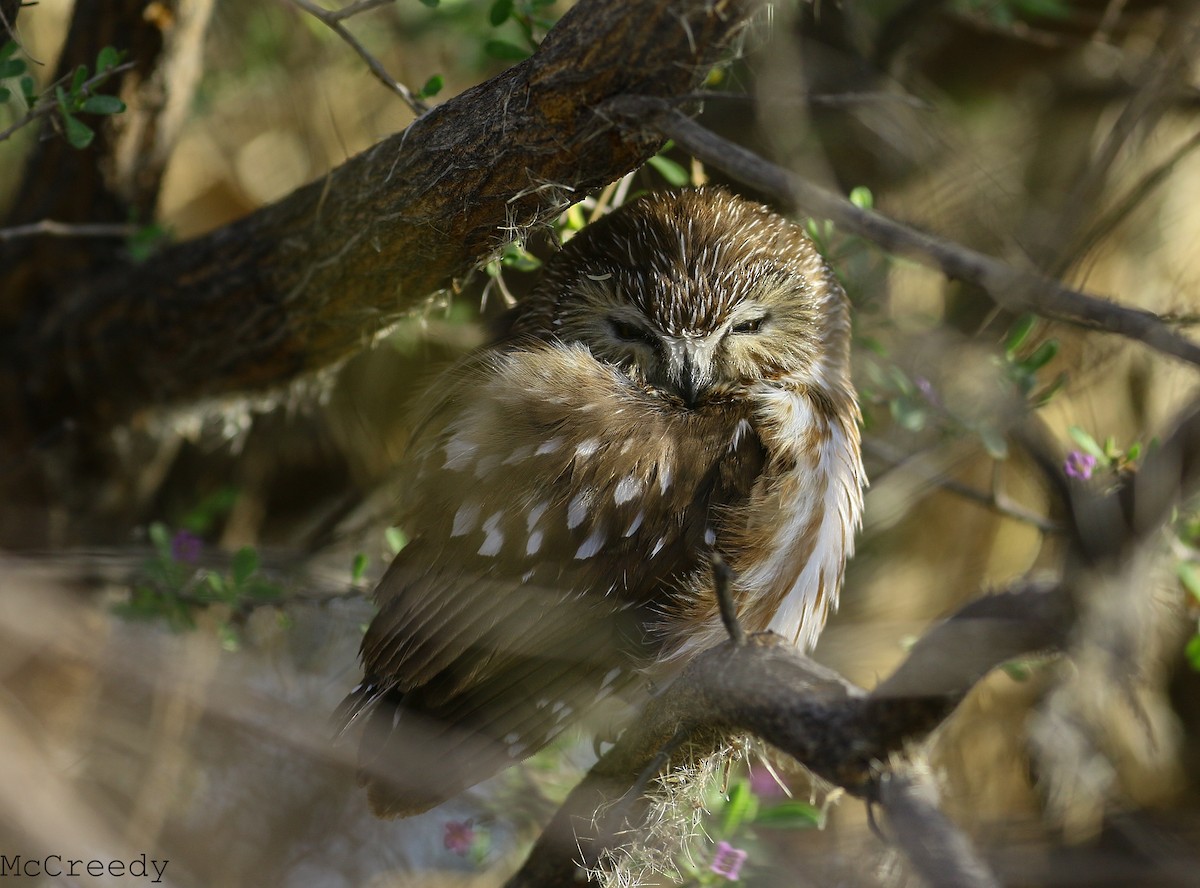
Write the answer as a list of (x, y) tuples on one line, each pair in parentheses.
[(1011, 287), (765, 688), (301, 284)]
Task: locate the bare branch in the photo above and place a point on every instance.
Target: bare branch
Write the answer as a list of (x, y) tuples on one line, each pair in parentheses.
[(1013, 288), (766, 688), (333, 20), (51, 228), (937, 848), (993, 499)]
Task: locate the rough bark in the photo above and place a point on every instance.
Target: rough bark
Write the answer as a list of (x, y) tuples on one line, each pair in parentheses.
[(303, 283)]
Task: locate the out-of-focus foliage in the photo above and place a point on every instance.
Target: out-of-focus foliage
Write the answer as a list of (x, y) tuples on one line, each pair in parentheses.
[(990, 123)]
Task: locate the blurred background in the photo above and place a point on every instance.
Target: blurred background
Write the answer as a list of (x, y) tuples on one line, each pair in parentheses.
[(172, 651)]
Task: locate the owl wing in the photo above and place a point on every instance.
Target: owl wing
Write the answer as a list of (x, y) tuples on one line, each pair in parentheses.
[(555, 509)]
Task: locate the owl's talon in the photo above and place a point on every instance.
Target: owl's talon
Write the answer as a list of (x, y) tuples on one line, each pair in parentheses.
[(722, 581)]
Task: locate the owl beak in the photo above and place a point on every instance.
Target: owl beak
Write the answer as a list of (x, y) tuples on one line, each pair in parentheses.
[(691, 374)]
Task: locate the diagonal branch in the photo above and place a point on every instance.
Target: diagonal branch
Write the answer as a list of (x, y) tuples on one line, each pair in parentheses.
[(1012, 287), (303, 283), (766, 688)]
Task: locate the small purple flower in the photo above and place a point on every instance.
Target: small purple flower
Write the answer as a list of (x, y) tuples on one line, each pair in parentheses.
[(728, 861), (186, 547), (459, 836), (925, 387), (1079, 465)]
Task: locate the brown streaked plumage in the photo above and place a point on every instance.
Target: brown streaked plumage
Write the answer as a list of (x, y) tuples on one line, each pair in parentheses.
[(677, 383)]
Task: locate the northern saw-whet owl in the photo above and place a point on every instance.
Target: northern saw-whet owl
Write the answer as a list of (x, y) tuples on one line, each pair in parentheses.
[(677, 384)]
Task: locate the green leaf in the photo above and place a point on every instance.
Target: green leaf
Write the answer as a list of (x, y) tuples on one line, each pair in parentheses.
[(245, 563), (359, 567), (262, 589), (500, 12), (993, 443), (1086, 442), (739, 808), (11, 68), (502, 49), (161, 538), (228, 637), (5, 94), (28, 89), (1192, 651), (1042, 356), (789, 815), (109, 57), (395, 538), (516, 257), (675, 174), (79, 134), (862, 197), (81, 76), (1189, 576), (908, 415), (1020, 331), (141, 245), (102, 105), (432, 86), (1017, 670), (8, 49), (215, 583), (432, 4)]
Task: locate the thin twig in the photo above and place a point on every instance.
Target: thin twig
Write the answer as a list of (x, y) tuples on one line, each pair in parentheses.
[(332, 19), (50, 228), (995, 500), (353, 9), (1014, 288)]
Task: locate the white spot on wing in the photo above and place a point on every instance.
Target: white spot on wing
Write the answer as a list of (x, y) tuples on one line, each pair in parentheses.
[(627, 489), (664, 475), (636, 523), (610, 677), (549, 446), (535, 514), (577, 509), (662, 541), (709, 536), (520, 454), (535, 543), (464, 519), (587, 448), (495, 536), (458, 453), (592, 544), (486, 464)]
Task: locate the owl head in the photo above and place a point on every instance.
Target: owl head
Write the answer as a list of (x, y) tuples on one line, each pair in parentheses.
[(697, 296)]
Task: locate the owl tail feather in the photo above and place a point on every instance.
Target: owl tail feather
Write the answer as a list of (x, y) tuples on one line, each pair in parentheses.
[(410, 762)]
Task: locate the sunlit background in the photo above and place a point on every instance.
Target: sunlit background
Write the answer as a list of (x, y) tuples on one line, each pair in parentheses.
[(138, 721)]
